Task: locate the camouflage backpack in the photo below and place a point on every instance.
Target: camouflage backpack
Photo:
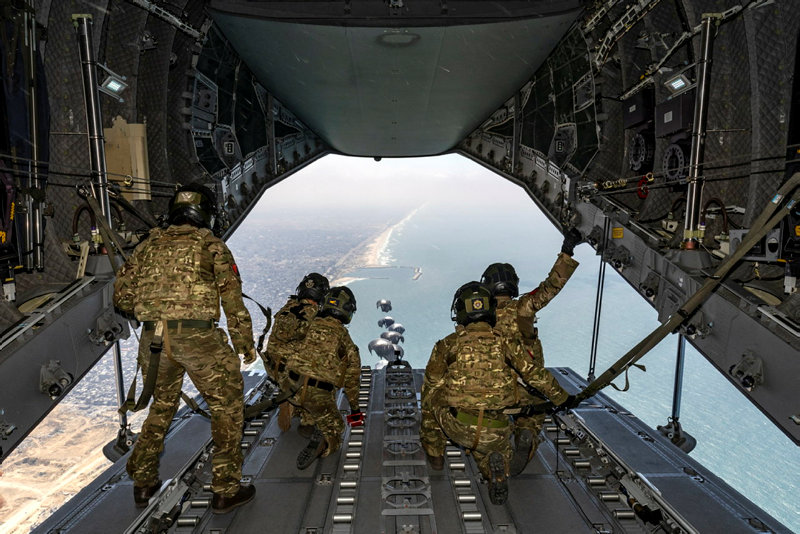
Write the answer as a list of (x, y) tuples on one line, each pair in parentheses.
[(174, 269), (319, 355), (292, 321), (479, 377)]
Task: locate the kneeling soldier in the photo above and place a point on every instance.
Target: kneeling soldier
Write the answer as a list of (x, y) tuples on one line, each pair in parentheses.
[(470, 379), (327, 360)]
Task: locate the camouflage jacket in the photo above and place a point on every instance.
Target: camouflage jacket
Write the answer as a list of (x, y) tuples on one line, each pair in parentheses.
[(290, 328), (447, 374), (516, 317), (183, 272), (328, 353)]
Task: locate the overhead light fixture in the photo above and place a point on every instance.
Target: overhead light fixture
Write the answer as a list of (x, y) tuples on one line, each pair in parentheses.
[(677, 84), (114, 84)]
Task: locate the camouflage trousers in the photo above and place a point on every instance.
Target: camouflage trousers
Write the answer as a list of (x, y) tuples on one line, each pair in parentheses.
[(214, 369), (534, 423), (434, 438), (318, 407)]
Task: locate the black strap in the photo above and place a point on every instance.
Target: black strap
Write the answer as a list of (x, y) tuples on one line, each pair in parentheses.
[(250, 412), (149, 385), (268, 314), (111, 239), (122, 201)]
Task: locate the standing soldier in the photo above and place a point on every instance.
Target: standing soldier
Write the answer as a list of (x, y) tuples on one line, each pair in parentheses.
[(174, 282), (515, 321), (470, 379), (288, 332), (328, 360)]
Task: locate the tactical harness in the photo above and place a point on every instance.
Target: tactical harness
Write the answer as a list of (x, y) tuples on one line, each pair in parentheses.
[(113, 241)]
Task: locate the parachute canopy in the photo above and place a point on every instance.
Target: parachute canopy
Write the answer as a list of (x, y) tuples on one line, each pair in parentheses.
[(384, 305), (382, 347), (386, 321), (394, 337), (397, 327)]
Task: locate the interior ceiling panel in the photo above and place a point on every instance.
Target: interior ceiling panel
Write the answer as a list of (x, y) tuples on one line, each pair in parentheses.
[(394, 91)]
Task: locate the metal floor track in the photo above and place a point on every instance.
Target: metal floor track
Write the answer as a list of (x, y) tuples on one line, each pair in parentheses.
[(598, 469)]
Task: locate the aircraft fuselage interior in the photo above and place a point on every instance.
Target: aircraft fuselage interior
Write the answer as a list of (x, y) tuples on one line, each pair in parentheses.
[(666, 131)]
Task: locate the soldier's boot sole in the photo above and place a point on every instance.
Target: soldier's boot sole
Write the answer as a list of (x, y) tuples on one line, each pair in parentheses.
[(498, 482), (316, 446), (522, 451)]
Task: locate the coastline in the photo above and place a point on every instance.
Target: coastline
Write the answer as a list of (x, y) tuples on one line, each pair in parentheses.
[(369, 253)]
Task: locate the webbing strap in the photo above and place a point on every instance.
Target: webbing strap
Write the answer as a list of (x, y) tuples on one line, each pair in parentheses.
[(766, 221), (149, 383), (627, 385), (268, 314), (763, 224)]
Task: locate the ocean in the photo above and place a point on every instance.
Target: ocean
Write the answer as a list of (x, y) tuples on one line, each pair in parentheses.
[(452, 243)]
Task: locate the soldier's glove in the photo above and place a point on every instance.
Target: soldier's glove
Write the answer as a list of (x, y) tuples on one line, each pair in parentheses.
[(250, 356), (571, 402), (572, 237), (356, 418)]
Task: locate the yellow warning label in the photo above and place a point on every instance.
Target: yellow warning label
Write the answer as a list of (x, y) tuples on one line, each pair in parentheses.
[(617, 233), (797, 230)]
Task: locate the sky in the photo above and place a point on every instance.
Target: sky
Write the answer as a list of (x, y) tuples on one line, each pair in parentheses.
[(401, 182)]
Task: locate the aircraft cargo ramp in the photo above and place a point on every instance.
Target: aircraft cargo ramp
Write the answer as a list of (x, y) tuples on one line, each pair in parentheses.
[(598, 470)]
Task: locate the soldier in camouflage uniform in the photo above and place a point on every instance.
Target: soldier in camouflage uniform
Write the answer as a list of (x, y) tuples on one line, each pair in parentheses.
[(470, 379), (327, 360), (174, 281), (288, 332), (515, 321)]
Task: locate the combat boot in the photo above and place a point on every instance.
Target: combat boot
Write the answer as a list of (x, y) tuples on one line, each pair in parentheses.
[(220, 504), (523, 444), (142, 495), (437, 462), (498, 482), (305, 430), (315, 448)]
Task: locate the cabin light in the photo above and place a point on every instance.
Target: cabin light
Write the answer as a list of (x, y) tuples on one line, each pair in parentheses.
[(113, 84), (677, 83)]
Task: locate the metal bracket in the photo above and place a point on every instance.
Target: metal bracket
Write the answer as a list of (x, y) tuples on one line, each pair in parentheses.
[(749, 371)]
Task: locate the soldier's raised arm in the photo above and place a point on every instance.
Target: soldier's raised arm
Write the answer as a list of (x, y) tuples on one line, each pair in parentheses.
[(562, 270), (226, 274)]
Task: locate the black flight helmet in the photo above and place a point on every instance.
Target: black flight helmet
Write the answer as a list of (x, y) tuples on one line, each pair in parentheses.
[(313, 286), (473, 302), (340, 303), (193, 204), (501, 279)]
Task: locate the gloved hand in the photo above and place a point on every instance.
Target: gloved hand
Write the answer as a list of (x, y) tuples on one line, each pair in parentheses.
[(356, 418), (250, 356), (571, 402), (572, 237)]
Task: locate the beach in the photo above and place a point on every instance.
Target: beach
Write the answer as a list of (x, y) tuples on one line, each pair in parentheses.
[(372, 252)]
